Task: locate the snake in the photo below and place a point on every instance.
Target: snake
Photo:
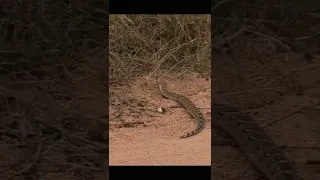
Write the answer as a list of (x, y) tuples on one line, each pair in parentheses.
[(187, 104), (254, 142)]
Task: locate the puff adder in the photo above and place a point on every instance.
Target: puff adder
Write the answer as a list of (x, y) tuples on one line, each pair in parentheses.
[(187, 104), (256, 145)]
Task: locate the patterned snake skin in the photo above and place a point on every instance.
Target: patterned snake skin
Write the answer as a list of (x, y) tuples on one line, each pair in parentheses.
[(257, 146), (187, 104)]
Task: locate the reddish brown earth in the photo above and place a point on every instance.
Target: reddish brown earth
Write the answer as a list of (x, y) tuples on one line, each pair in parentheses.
[(143, 136)]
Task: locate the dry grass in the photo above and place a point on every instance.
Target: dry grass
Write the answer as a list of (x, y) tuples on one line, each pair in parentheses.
[(267, 26), (49, 52), (143, 44)]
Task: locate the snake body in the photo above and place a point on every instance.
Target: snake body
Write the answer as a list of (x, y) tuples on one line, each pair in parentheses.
[(257, 146), (187, 104)]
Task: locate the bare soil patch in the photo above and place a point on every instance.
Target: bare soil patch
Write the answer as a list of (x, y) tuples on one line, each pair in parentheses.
[(143, 136)]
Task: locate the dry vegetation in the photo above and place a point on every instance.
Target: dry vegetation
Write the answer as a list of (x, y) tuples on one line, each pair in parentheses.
[(49, 54), (283, 25), (145, 44)]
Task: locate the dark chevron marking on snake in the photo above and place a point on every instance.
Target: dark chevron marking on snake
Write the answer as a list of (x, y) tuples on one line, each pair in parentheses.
[(254, 142)]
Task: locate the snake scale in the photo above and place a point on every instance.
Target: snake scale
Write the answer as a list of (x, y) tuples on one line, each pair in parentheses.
[(254, 142), (187, 104)]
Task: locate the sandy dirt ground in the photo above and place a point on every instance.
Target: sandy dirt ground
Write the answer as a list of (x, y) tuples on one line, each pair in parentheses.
[(290, 100), (142, 136)]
